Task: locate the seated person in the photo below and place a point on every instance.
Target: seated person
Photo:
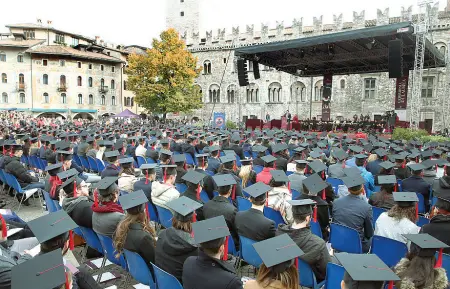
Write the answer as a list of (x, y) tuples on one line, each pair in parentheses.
[(296, 179), (265, 176), (316, 252), (400, 219), (246, 173), (213, 161), (76, 201), (212, 235), (180, 162), (415, 183), (229, 167), (165, 158), (111, 169), (252, 223), (279, 196), (384, 198), (126, 175), (18, 242), (134, 232), (165, 192), (145, 184), (106, 213), (52, 181), (176, 244), (439, 226), (207, 183), (400, 169), (278, 270)]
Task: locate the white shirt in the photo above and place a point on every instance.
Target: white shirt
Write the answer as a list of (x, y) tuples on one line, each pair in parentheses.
[(140, 151), (291, 167), (393, 229)]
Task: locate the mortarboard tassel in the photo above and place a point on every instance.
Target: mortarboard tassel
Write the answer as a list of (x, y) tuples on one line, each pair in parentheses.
[(439, 260), (417, 159), (274, 164), (225, 250), (4, 228), (199, 189), (417, 211), (343, 164), (67, 284), (165, 175), (267, 199), (203, 162), (146, 177), (194, 217), (323, 174), (289, 187), (296, 262), (445, 170), (123, 151), (233, 192), (71, 241), (315, 214), (147, 211), (395, 187), (75, 189), (95, 198), (324, 197), (391, 285)]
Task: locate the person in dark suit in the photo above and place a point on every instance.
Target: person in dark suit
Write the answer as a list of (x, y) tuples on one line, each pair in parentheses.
[(82, 148), (236, 148), (176, 244), (415, 183), (261, 150), (282, 154), (208, 270), (252, 223), (374, 166), (76, 202), (188, 147), (111, 170), (207, 183), (180, 162), (400, 169), (213, 160), (220, 205), (194, 181), (134, 232), (145, 184), (175, 146), (439, 226)]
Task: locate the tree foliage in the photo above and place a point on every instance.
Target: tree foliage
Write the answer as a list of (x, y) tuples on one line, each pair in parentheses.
[(163, 78)]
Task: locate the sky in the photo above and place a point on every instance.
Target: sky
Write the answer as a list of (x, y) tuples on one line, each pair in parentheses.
[(139, 21)]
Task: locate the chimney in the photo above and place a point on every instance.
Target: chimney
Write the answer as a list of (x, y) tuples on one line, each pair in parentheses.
[(447, 9)]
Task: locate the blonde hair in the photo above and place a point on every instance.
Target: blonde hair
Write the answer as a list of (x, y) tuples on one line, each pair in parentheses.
[(289, 278), (372, 158), (244, 174)]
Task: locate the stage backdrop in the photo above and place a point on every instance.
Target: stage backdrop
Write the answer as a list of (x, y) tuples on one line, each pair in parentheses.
[(219, 119)]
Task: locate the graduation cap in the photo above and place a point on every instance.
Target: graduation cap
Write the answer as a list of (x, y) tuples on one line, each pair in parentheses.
[(279, 176), (279, 147), (387, 165), (246, 162), (184, 209), (229, 153), (269, 159), (353, 181), (67, 174), (211, 233), (360, 156), (126, 161), (416, 167), (356, 149), (257, 190), (70, 185), (53, 169), (405, 199), (134, 199), (387, 180), (365, 271), (317, 166), (315, 184), (41, 272), (166, 152), (112, 155), (224, 180), (148, 166), (413, 155), (16, 147), (107, 186), (214, 148), (315, 154), (63, 145), (427, 154), (227, 159), (426, 245), (428, 164), (304, 207), (340, 154), (280, 252)]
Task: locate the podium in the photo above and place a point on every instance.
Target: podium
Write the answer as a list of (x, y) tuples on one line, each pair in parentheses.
[(275, 123), (254, 123)]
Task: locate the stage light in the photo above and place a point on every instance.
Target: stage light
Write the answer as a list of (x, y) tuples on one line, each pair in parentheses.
[(302, 53), (331, 49)]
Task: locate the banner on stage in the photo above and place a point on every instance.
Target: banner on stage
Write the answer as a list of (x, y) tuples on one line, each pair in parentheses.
[(219, 119), (401, 93)]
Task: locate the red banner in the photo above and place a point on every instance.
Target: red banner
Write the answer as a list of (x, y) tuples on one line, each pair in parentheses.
[(326, 96), (401, 93)]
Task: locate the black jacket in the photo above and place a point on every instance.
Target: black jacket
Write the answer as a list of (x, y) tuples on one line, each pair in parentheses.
[(188, 148), (81, 213), (147, 188), (238, 150), (208, 183), (110, 171), (281, 163), (222, 206), (238, 181), (213, 165), (418, 185), (172, 249), (208, 273), (439, 227), (192, 194), (180, 173), (323, 216), (316, 252), (258, 162), (401, 173), (441, 187), (254, 225), (14, 167), (140, 242)]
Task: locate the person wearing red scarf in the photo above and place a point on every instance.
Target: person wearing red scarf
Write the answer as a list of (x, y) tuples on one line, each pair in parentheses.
[(439, 226)]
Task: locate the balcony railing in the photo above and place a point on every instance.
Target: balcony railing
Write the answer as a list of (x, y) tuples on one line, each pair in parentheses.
[(62, 87), (103, 89), (21, 86)]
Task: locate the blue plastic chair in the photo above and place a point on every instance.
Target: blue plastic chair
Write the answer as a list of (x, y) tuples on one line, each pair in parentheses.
[(91, 239), (433, 201), (345, 239), (204, 196), (243, 204), (77, 160), (307, 277), (232, 247), (388, 250), (295, 194), (335, 183), (140, 161), (248, 252), (181, 188), (138, 269), (34, 162), (164, 279), (153, 214), (13, 183), (247, 154), (258, 169), (211, 173), (335, 275), (190, 160), (100, 165), (49, 203), (150, 161), (400, 185), (315, 229), (422, 221), (165, 216), (422, 207), (93, 164), (376, 214), (289, 173), (274, 216), (84, 163), (110, 252)]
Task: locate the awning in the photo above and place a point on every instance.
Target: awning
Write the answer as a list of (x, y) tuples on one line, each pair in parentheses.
[(15, 109), (83, 110), (48, 110)]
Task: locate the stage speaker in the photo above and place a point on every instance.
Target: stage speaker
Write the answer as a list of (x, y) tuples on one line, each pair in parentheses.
[(242, 72), (396, 58), (256, 70)]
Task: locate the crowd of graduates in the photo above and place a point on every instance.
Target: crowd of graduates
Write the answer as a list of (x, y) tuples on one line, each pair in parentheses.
[(202, 176)]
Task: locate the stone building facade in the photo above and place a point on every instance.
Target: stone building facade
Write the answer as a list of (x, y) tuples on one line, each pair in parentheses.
[(275, 92)]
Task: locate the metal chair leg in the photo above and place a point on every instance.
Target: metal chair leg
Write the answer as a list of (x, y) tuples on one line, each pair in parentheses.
[(100, 273)]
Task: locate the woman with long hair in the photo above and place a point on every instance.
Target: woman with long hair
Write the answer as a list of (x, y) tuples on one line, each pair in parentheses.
[(400, 219), (384, 198), (126, 175), (246, 173), (134, 232), (283, 272), (176, 244)]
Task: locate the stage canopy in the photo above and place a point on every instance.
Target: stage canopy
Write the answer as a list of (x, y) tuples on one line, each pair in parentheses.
[(127, 114), (347, 52)]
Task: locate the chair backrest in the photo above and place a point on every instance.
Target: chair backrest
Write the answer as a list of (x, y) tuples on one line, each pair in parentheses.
[(204, 196), (422, 207), (93, 164), (211, 173), (138, 268), (34, 161), (57, 205), (152, 213), (2, 176), (335, 183), (345, 239), (288, 173), (180, 187), (390, 251), (165, 216), (164, 279), (258, 169), (49, 202), (12, 182), (150, 161), (100, 165), (274, 216), (400, 185), (248, 252), (243, 204), (295, 194), (316, 229), (110, 251), (77, 160), (376, 214), (306, 275), (422, 221), (84, 162), (140, 161), (335, 275), (92, 239), (190, 160)]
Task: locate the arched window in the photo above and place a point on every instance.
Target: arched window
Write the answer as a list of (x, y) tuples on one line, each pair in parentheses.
[(90, 81), (102, 83), (442, 50), (113, 100), (63, 98), (298, 92), (113, 84), (46, 98), (252, 93), (231, 93), (22, 97), (45, 79), (102, 68), (318, 89), (214, 93), (102, 100), (2, 56), (132, 102), (4, 78), (79, 81), (207, 67), (80, 99), (4, 97), (275, 92), (342, 83), (91, 99), (62, 80), (20, 57), (21, 79)]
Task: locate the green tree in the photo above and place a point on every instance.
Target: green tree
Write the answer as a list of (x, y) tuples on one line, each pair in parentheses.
[(163, 79)]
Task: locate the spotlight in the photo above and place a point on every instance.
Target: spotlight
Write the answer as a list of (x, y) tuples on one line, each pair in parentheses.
[(331, 49)]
